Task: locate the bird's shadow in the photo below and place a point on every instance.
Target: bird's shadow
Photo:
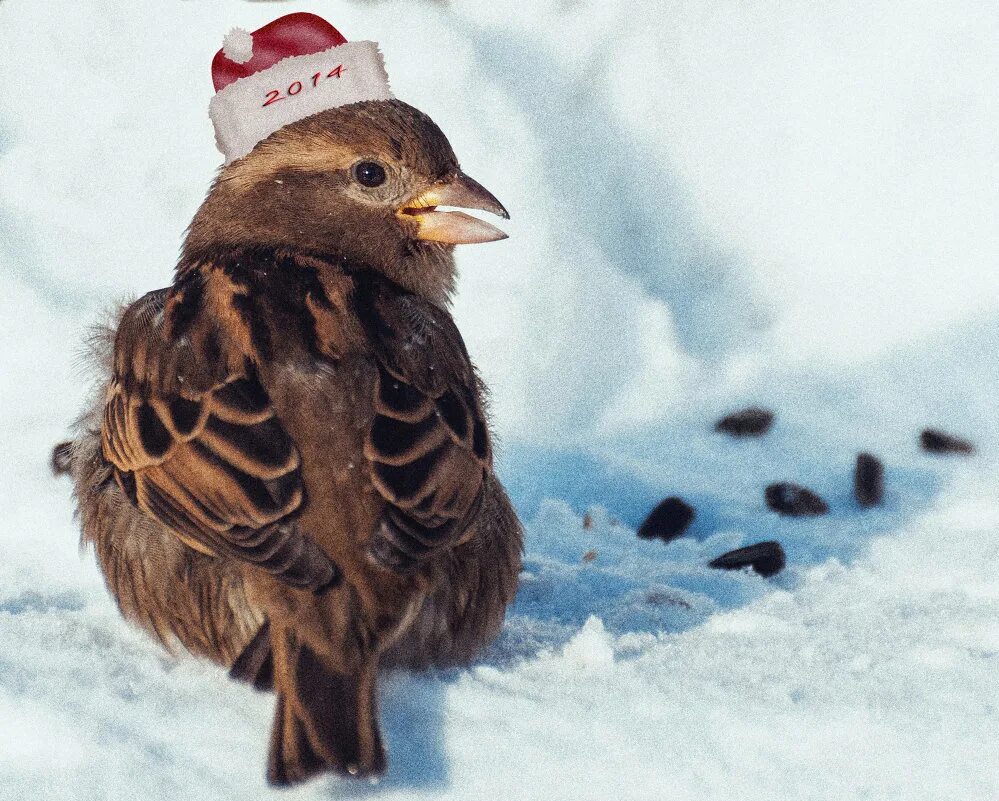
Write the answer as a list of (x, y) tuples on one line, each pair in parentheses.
[(654, 587)]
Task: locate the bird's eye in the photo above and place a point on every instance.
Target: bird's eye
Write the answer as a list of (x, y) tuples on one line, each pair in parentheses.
[(369, 173)]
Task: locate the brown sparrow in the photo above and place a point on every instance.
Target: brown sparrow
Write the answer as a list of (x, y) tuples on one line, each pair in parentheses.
[(289, 468)]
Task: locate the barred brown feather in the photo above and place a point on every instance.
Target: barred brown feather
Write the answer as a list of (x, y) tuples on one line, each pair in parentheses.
[(203, 454), (428, 442)]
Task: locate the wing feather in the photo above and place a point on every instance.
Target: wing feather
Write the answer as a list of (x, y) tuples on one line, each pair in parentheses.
[(428, 443), (201, 448)]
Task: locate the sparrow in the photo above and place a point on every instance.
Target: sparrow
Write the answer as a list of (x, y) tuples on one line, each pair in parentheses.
[(288, 468)]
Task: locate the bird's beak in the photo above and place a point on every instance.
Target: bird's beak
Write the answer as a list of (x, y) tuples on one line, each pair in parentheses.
[(454, 227)]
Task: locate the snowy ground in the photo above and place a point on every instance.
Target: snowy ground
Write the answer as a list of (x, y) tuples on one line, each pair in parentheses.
[(713, 205)]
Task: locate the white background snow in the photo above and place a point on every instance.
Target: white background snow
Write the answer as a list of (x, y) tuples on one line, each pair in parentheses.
[(713, 204)]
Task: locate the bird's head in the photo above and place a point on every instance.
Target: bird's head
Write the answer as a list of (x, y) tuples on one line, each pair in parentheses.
[(366, 183)]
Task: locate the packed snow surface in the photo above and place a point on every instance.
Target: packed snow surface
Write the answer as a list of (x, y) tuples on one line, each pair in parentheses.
[(713, 205)]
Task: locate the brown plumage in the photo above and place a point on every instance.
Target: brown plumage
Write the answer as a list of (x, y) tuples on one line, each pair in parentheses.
[(289, 468)]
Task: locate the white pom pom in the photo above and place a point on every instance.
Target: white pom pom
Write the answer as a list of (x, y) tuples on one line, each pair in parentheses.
[(238, 46)]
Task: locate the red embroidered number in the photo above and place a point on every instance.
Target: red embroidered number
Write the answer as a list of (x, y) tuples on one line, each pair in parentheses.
[(274, 95)]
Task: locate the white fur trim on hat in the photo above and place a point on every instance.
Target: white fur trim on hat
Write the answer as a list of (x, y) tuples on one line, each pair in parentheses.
[(252, 108)]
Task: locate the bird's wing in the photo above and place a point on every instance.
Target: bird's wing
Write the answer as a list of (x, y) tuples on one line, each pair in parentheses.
[(195, 443), (428, 444)]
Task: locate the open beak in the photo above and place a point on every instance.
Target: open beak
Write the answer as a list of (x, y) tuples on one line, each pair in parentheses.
[(454, 227)]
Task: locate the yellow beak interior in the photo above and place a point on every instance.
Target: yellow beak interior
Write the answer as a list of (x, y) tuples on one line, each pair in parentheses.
[(454, 227)]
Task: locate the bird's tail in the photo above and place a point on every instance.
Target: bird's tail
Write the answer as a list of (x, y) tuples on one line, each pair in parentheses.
[(324, 720)]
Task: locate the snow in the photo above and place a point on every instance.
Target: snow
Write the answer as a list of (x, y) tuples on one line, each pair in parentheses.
[(713, 206)]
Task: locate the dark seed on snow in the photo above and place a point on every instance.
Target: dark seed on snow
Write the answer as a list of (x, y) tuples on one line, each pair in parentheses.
[(766, 558), (751, 422), (938, 442), (868, 480), (668, 520), (794, 500), (662, 598)]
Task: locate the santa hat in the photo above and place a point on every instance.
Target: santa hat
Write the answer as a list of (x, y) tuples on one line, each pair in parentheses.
[(291, 68)]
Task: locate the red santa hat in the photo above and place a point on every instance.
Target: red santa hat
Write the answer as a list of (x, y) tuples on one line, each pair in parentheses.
[(291, 68)]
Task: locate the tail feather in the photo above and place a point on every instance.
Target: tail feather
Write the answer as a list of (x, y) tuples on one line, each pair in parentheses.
[(255, 665), (324, 720)]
